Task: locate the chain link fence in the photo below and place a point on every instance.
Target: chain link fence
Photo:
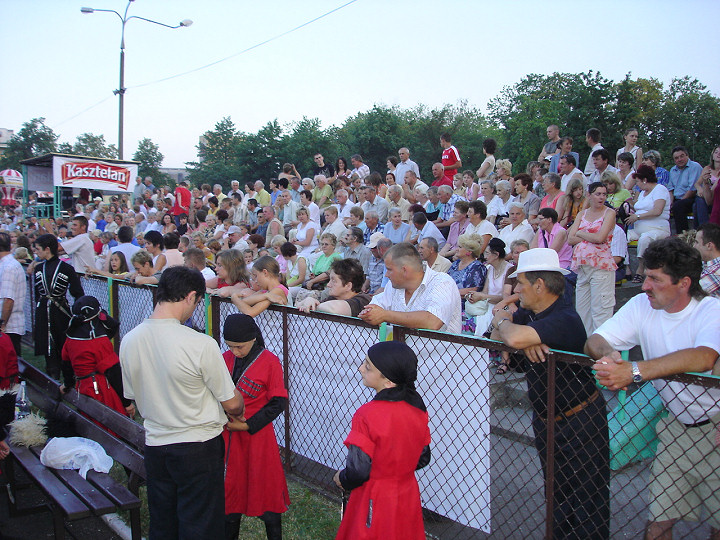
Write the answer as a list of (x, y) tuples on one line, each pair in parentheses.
[(487, 478)]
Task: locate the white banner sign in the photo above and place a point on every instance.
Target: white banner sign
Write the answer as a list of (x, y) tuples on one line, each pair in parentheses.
[(94, 174)]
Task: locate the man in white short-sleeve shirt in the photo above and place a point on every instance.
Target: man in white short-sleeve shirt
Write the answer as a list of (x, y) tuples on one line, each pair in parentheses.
[(79, 247), (678, 330), (183, 389), (415, 297)]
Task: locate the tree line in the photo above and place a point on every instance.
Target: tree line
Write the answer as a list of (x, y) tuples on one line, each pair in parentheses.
[(683, 113)]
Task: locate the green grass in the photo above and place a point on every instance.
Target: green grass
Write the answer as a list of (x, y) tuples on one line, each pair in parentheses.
[(310, 517)]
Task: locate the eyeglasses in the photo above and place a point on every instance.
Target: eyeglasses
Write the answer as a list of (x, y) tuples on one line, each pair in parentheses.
[(325, 244)]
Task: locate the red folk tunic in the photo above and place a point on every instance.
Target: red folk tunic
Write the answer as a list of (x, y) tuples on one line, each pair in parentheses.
[(387, 506), (254, 477), (93, 356), (8, 363)]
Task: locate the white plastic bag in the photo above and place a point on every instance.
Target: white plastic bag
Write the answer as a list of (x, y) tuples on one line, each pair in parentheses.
[(75, 453)]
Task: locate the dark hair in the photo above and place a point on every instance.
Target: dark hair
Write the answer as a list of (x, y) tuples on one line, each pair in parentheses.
[(337, 163), (257, 239), (177, 282), (679, 149), (222, 215), (373, 179), (446, 137), (564, 140), (525, 180), (349, 271), (154, 238), (462, 206), (594, 185), (288, 250), (125, 234), (414, 208), (392, 159), (497, 246), (82, 220), (5, 241), (253, 202), (677, 259), (282, 183), (357, 232), (554, 281), (307, 193), (47, 241), (419, 218), (479, 208), (213, 200), (490, 145), (171, 240), (593, 134), (602, 153), (645, 172), (24, 241), (549, 213), (391, 174), (570, 159), (627, 157), (711, 233), (124, 268)]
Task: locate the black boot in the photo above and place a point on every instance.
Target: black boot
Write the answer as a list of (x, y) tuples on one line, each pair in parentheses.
[(273, 525), (232, 527)]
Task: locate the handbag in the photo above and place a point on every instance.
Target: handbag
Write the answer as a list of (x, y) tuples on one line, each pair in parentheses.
[(478, 308)]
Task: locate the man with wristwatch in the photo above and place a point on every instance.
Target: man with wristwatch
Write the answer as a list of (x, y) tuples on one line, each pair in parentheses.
[(678, 329)]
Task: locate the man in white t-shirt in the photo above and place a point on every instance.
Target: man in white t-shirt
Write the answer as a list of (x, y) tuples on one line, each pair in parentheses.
[(195, 258), (678, 329), (601, 160), (592, 138), (416, 297), (569, 170), (79, 247), (183, 390)]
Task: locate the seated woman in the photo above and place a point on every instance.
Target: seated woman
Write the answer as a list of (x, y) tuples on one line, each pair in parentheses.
[(266, 274), (118, 267), (388, 441), (198, 239), (525, 196), (306, 235), (651, 220), (505, 198), (345, 288), (552, 235), (396, 230), (469, 274), (616, 194), (90, 359), (492, 290), (321, 269), (571, 203), (296, 272), (232, 276), (154, 244), (479, 226)]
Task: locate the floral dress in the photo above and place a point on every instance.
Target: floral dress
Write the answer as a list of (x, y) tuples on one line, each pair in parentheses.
[(473, 275)]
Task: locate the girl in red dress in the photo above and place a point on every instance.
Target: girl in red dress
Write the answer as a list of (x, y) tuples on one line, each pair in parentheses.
[(388, 441), (254, 478), (89, 358)]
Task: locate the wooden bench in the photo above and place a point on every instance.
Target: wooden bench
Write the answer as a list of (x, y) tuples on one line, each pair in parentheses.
[(70, 496)]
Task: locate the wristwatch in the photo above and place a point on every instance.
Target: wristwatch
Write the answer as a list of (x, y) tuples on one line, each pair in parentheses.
[(637, 377)]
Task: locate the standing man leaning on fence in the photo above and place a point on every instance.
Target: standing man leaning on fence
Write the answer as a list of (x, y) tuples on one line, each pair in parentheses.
[(581, 496), (677, 327), (181, 385)]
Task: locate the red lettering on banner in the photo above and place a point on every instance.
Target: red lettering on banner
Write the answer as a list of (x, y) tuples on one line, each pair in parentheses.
[(95, 171)]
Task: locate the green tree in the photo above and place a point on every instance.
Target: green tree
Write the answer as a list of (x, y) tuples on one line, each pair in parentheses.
[(34, 139), (217, 155), (90, 145), (150, 158)]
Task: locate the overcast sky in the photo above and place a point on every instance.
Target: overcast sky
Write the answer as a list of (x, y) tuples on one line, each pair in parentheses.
[(57, 62)]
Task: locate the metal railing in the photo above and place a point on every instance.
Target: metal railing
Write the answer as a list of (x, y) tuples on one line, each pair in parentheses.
[(485, 479)]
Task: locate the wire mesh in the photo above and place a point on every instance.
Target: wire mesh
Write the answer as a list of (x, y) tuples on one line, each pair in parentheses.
[(486, 478)]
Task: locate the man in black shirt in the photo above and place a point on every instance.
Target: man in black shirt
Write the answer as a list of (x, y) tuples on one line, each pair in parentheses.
[(326, 169), (544, 321)]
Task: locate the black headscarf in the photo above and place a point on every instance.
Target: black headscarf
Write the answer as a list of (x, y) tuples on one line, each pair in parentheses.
[(398, 363), (241, 328), (90, 321)]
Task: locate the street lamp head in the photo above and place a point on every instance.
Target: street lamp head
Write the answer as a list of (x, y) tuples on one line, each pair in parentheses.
[(87, 10), (186, 22)]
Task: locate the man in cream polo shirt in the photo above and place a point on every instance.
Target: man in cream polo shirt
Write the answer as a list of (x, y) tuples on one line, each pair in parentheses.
[(182, 388)]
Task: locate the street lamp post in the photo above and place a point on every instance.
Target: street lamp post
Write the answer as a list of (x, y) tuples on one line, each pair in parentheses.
[(120, 92)]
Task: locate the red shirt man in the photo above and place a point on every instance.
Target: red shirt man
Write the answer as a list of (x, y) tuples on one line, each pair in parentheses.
[(450, 160), (182, 199)]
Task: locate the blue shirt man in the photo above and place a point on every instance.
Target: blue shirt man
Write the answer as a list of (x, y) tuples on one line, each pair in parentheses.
[(682, 186)]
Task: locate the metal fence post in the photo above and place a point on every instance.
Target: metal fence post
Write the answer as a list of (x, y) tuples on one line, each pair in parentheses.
[(286, 376), (208, 315), (214, 323), (114, 309), (398, 333), (550, 448)]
